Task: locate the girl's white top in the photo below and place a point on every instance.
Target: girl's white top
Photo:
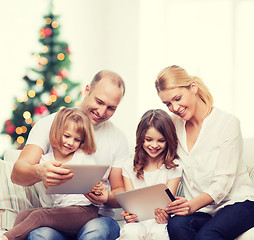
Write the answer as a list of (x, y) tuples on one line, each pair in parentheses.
[(64, 200), (161, 175)]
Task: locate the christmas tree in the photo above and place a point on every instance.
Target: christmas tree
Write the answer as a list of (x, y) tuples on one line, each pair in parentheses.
[(48, 85)]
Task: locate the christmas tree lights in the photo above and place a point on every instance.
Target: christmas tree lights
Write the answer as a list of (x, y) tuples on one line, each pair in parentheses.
[(48, 85)]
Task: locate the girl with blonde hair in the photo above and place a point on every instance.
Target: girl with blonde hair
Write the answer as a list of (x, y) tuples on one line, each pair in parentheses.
[(72, 140)]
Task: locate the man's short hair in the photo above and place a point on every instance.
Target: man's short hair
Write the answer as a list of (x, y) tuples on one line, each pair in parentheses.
[(114, 77)]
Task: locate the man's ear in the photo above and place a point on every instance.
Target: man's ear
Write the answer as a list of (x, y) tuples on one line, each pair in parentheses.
[(87, 90)]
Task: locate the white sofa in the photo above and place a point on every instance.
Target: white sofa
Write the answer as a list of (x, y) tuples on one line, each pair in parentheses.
[(14, 198)]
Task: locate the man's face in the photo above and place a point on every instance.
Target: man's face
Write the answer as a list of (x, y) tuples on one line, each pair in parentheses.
[(101, 102)]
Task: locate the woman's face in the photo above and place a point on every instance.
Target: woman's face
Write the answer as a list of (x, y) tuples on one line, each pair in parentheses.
[(180, 101)]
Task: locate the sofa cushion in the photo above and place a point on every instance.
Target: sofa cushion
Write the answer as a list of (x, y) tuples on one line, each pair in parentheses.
[(248, 235), (250, 171), (13, 198)]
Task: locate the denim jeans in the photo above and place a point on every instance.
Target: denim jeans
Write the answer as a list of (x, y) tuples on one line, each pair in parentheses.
[(44, 233), (102, 228), (227, 224)]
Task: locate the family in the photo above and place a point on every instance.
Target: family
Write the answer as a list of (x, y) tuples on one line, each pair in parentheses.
[(198, 144)]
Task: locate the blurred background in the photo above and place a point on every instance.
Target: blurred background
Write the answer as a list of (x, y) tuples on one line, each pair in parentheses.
[(213, 39)]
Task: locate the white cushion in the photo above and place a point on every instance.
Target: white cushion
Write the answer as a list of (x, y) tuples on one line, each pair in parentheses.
[(2, 232), (249, 235), (11, 155), (248, 151), (13, 198)]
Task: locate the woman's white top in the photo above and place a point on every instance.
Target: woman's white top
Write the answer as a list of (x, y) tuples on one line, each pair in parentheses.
[(214, 164), (64, 200)]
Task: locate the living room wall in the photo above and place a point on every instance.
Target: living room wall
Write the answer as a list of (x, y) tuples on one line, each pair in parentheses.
[(210, 38)]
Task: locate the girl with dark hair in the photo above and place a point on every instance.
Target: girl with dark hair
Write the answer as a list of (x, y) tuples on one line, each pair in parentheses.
[(155, 162)]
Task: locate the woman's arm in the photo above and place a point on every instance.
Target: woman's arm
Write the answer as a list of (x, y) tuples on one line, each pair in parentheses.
[(161, 216), (202, 200), (181, 206)]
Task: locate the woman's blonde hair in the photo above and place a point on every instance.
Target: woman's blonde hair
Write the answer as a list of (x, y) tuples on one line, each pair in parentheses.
[(82, 125), (175, 76)]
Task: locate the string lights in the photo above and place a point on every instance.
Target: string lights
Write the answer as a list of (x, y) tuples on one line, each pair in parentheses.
[(48, 85)]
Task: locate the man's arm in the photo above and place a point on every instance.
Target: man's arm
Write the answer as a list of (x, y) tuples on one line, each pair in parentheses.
[(25, 169), (28, 170), (117, 186)]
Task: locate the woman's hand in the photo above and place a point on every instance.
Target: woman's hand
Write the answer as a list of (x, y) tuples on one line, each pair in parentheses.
[(99, 194), (180, 206), (161, 216), (128, 217)]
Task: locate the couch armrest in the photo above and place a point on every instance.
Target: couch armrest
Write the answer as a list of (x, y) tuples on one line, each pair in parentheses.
[(13, 198), (11, 155)]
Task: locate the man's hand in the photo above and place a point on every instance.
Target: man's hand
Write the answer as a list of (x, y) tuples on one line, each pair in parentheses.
[(99, 194), (52, 174), (28, 170)]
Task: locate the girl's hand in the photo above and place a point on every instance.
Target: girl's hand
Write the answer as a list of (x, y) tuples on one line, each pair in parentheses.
[(180, 206), (161, 216), (98, 189), (129, 217), (101, 198)]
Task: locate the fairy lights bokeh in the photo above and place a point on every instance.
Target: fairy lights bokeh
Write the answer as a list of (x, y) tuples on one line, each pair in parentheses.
[(60, 56), (49, 88)]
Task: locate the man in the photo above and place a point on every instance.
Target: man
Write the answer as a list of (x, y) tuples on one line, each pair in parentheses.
[(102, 97)]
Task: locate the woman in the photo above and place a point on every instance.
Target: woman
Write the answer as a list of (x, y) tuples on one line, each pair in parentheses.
[(219, 195)]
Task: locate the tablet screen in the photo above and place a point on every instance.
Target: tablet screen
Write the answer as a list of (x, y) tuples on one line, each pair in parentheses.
[(144, 201), (84, 179)]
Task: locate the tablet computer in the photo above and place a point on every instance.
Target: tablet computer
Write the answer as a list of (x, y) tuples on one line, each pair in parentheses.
[(84, 179), (144, 201)]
